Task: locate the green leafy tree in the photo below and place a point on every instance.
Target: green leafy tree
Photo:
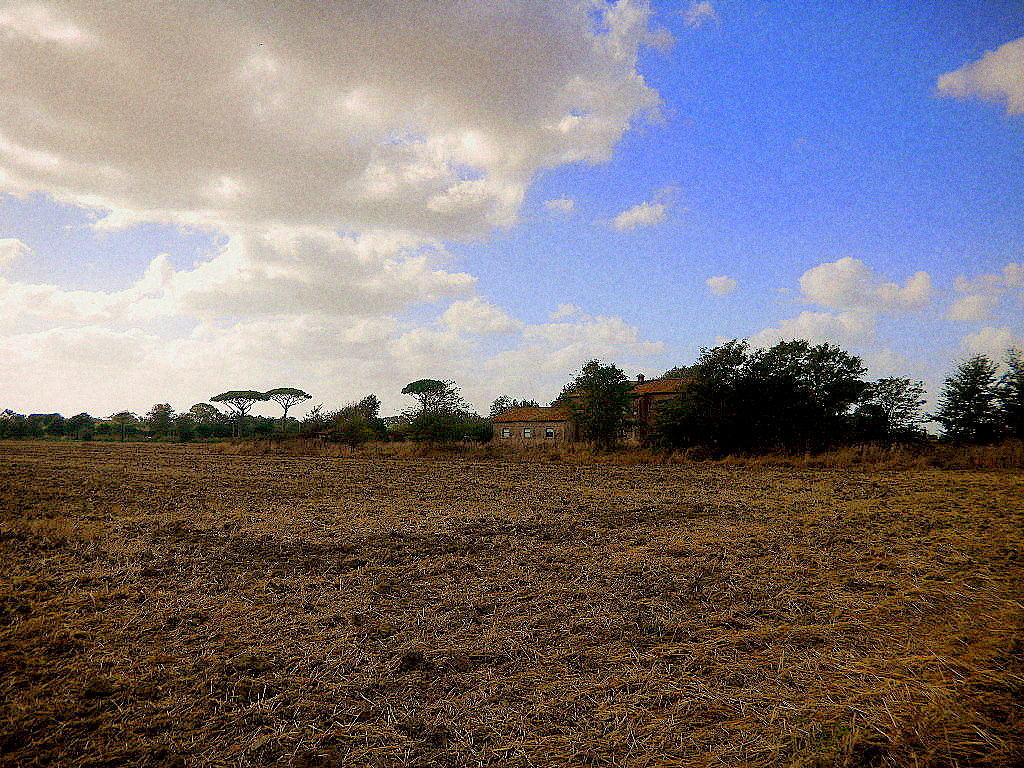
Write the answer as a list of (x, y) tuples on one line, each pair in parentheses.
[(890, 410), (13, 425), (1010, 394), (710, 409), (370, 407), (504, 403), (125, 421), (56, 426), (599, 399), (351, 425), (442, 413), (679, 372), (969, 402), (184, 427), (287, 397), (802, 393), (435, 395), (792, 395), (209, 421), (240, 402), (160, 420), (81, 426)]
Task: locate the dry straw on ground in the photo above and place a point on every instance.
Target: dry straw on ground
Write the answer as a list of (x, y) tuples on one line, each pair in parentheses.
[(173, 606)]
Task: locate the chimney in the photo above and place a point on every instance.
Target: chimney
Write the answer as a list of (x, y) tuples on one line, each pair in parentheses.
[(639, 378)]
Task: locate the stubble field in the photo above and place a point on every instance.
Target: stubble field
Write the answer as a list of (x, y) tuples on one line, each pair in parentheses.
[(174, 606)]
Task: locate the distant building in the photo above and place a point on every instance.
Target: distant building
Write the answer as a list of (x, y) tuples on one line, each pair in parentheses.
[(553, 425), (646, 397), (535, 426)]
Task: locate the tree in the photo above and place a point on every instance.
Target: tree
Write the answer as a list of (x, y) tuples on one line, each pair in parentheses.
[(286, 397), (1010, 394), (81, 426), (801, 393), (350, 425), (442, 414), (209, 421), (969, 403), (240, 402), (435, 395), (890, 409), (124, 421), (160, 419), (599, 400), (792, 395), (184, 427), (504, 403), (370, 407), (711, 407)]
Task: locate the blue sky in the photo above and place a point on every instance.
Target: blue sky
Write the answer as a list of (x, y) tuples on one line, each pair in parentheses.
[(498, 202)]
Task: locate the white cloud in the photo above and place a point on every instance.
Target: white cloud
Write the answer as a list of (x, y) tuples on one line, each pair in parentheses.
[(566, 310), (721, 285), (280, 272), (647, 214), (642, 215), (1010, 278), (410, 119), (845, 329), (37, 22), (973, 308), (850, 284), (478, 316), (992, 341), (998, 74), (560, 205), (699, 13), (11, 249), (332, 160)]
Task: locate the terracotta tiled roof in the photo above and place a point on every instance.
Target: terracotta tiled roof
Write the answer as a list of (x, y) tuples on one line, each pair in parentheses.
[(557, 413), (658, 386)]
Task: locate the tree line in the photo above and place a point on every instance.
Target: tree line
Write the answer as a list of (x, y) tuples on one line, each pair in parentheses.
[(734, 399), (798, 396)]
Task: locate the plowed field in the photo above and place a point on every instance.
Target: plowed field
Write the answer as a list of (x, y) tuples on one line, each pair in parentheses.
[(172, 606)]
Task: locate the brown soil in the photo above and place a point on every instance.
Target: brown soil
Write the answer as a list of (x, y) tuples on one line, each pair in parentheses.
[(172, 606)]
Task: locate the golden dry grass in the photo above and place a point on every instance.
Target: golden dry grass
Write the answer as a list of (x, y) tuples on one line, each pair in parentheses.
[(178, 606)]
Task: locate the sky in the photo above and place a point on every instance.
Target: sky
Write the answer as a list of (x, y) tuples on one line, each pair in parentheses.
[(345, 197)]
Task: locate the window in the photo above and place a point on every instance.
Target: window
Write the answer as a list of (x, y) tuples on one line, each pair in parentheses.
[(527, 432), (506, 432), (549, 432)]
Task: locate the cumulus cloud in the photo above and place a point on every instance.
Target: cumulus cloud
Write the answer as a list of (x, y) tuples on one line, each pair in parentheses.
[(11, 249), (560, 205), (641, 215), (279, 272), (985, 292), (309, 113), (997, 75), (992, 341), (850, 284), (974, 308), (333, 149), (721, 285), (646, 214), (846, 329), (547, 353), (478, 316), (699, 13)]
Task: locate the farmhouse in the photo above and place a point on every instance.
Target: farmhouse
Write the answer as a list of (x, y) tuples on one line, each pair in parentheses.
[(552, 425), (646, 397), (533, 426)]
